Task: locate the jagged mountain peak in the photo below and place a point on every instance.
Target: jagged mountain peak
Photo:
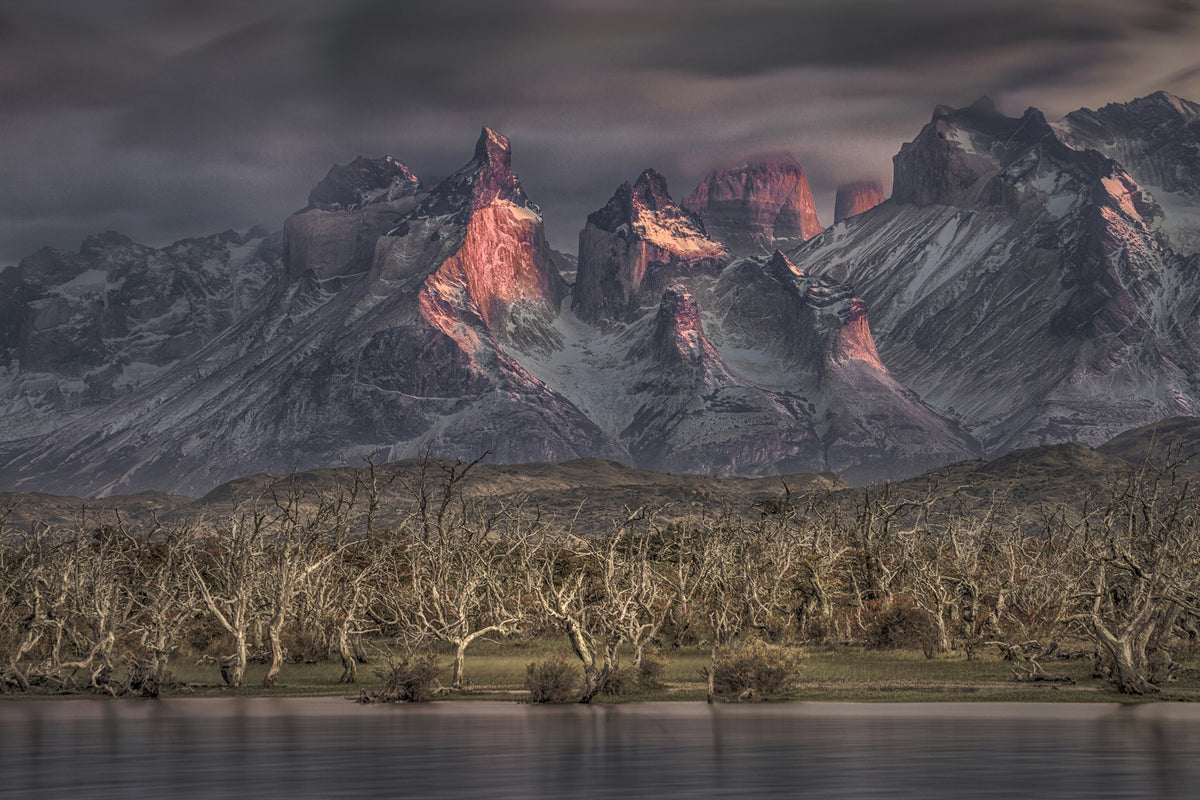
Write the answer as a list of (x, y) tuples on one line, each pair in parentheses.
[(486, 178), (1039, 250), (352, 206), (807, 339), (1159, 103), (982, 109), (362, 182), (677, 337), (645, 201), (1021, 283), (975, 158), (751, 207), (491, 173), (493, 148), (635, 246), (834, 325), (1156, 139), (650, 192)]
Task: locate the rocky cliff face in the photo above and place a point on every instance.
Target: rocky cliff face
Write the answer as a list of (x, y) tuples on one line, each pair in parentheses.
[(502, 271), (637, 245), (755, 208), (855, 198), (1021, 285), (1157, 140), (808, 339)]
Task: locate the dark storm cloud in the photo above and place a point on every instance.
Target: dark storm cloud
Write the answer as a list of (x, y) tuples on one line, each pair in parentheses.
[(166, 118)]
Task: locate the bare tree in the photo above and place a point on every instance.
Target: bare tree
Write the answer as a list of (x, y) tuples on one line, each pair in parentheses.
[(600, 591), (99, 601), (1142, 570), (346, 584), (873, 539), (448, 573), (226, 568), (307, 531), (824, 560), (30, 595), (741, 576), (165, 600), (941, 561), (339, 594), (1034, 579)]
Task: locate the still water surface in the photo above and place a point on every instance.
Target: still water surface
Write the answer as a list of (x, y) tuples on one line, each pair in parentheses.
[(330, 747)]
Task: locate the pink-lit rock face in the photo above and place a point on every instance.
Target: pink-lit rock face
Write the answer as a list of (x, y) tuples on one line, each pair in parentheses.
[(1156, 139), (855, 198), (854, 340), (752, 208), (503, 258), (637, 245)]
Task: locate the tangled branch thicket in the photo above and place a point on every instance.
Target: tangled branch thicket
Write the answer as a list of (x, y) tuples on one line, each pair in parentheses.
[(299, 571)]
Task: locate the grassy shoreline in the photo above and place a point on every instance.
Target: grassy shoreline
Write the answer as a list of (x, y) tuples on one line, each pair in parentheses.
[(496, 672)]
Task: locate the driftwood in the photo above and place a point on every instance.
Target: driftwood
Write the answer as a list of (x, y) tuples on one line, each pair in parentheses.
[(1036, 651), (1035, 673), (1029, 656)]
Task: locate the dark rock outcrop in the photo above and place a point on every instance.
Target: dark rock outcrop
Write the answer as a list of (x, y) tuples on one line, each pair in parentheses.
[(693, 413), (347, 212), (362, 182), (812, 343)]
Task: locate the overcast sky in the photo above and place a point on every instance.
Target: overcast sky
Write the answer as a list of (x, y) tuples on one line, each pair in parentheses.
[(171, 118)]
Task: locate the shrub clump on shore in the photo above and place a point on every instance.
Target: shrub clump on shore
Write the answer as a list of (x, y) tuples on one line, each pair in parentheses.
[(754, 670)]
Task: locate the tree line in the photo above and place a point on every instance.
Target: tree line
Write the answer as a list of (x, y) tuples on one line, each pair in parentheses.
[(307, 573)]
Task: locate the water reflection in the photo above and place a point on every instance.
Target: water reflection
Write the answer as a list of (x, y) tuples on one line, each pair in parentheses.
[(329, 747)]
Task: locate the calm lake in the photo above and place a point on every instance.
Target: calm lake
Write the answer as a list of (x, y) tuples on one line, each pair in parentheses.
[(331, 747)]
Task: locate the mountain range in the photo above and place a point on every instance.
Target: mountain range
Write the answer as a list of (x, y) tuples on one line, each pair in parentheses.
[(1027, 283)]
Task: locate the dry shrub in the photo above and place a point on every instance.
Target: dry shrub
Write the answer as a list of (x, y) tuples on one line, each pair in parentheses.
[(901, 625), (406, 680), (304, 645), (205, 637), (552, 681), (754, 669), (650, 671), (636, 679), (141, 675)]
